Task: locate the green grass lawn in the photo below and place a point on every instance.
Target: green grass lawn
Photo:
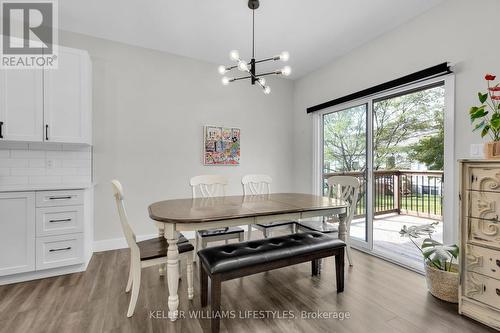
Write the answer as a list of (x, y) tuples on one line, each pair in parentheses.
[(414, 203)]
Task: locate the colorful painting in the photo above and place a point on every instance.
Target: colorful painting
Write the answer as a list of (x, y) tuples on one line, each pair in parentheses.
[(222, 145)]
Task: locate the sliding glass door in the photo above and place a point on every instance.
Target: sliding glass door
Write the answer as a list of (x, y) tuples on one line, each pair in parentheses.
[(345, 139), (394, 143)]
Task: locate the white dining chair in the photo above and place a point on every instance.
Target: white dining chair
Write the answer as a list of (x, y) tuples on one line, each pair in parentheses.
[(345, 188), (261, 185), (148, 253), (209, 186)]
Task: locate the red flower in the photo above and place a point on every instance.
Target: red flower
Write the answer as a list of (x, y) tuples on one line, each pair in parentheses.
[(489, 77), (495, 98), (497, 88)]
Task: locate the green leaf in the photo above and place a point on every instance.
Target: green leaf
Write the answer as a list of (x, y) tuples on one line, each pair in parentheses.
[(482, 97), (478, 114), (478, 126), (495, 121), (485, 131), (473, 109)]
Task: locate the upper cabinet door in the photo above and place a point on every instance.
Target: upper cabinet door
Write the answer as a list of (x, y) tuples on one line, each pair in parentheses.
[(21, 105), (67, 99)]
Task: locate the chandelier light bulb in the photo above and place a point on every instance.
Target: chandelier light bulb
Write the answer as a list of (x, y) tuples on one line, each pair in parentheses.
[(284, 56), (286, 71), (234, 55), (267, 90), (242, 66), (225, 80), (222, 69), (262, 81)]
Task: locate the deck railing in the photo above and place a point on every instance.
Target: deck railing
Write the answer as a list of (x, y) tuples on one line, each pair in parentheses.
[(407, 192)]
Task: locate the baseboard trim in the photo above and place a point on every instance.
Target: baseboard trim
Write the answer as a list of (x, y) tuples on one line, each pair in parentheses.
[(35, 275), (121, 243)]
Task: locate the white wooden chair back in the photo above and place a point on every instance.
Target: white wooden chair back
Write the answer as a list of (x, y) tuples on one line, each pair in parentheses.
[(208, 186), (256, 184), (345, 188), (127, 230)]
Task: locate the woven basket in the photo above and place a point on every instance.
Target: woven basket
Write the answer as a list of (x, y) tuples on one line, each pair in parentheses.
[(443, 284)]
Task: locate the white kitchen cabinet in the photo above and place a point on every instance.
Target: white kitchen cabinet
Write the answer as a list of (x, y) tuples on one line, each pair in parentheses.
[(67, 98), (21, 105), (17, 232), (49, 105)]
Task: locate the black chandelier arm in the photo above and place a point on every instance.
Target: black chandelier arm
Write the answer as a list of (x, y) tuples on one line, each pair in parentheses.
[(241, 78), (268, 59), (268, 73)]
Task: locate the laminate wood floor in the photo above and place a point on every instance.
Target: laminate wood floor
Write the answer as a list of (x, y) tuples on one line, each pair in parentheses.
[(379, 296)]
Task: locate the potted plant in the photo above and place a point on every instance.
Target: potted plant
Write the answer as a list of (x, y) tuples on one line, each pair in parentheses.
[(440, 261), (486, 117)]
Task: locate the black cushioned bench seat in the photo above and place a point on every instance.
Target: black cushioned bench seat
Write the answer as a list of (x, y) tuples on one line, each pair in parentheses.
[(236, 256), (232, 261)]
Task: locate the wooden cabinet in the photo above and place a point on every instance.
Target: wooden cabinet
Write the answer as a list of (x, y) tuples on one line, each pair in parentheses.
[(17, 232), (21, 105), (480, 241), (50, 105), (66, 99)]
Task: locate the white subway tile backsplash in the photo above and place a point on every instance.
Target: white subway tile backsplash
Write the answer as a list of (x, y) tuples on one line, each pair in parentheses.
[(13, 163), (45, 180), (61, 172), (27, 171), (40, 164), (76, 179), (37, 163), (14, 180)]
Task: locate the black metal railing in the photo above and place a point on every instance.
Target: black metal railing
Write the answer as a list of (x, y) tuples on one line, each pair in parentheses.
[(418, 193)]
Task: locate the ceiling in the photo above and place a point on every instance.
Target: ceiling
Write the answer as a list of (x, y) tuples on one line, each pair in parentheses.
[(315, 32)]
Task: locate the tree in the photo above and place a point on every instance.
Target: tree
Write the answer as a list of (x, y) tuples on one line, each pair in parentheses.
[(430, 150), (400, 122)]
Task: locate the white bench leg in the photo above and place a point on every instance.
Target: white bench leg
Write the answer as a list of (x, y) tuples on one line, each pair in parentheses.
[(249, 234), (195, 255)]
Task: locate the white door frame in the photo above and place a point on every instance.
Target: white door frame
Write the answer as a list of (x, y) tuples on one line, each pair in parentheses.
[(450, 190)]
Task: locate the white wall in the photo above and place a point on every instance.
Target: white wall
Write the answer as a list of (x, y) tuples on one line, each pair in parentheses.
[(460, 31), (149, 109)]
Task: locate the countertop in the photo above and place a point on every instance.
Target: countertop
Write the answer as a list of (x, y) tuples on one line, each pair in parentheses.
[(44, 187)]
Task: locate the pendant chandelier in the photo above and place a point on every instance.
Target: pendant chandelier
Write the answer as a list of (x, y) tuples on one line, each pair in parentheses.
[(250, 67)]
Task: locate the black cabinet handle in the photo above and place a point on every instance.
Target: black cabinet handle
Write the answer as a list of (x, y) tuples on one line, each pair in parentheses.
[(60, 220), (46, 132), (498, 262), (498, 292), (60, 198), (1, 127), (63, 249)]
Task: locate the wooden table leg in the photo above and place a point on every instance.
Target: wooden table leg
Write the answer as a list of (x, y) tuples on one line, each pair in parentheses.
[(172, 272)]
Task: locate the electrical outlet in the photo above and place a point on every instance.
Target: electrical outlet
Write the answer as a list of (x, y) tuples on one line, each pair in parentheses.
[(50, 164), (476, 150)]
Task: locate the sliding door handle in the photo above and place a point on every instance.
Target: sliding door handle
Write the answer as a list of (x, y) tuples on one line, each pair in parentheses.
[(46, 132), (1, 129)]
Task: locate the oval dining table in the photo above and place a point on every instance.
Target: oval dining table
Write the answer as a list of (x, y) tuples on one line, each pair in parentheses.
[(174, 216)]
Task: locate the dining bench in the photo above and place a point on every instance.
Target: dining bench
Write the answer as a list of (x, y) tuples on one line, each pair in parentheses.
[(231, 261)]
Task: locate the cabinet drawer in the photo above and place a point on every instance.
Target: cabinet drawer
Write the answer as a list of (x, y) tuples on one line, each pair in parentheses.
[(483, 261), (483, 177), (482, 289), (484, 232), (59, 198), (61, 250), (59, 220), (483, 205)]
